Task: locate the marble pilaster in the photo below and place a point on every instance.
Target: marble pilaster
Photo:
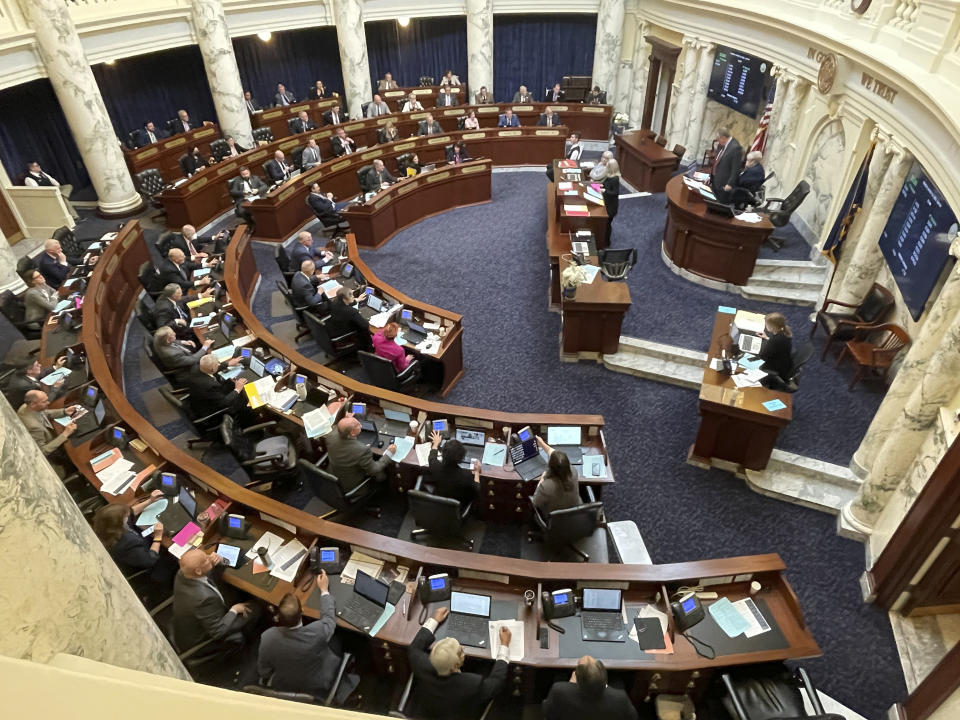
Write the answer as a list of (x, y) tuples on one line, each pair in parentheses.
[(935, 388), (76, 89), (348, 16), (9, 280), (479, 46), (621, 103), (219, 61), (60, 592), (698, 101), (680, 97), (606, 54), (791, 91), (641, 68)]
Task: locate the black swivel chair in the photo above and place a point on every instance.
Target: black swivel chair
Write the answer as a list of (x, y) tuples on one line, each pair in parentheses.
[(130, 142), (283, 262), (302, 329), (616, 263), (461, 123), (150, 184), (71, 246), (579, 529), (207, 428), (438, 516), (380, 372), (144, 314), (14, 310), (296, 157), (268, 458), (305, 697), (219, 149), (334, 347), (362, 176), (404, 706), (403, 162), (771, 693), (780, 215), (150, 279), (327, 487), (262, 134)]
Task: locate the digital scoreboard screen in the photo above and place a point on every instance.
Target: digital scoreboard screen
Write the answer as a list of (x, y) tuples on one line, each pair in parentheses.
[(737, 80)]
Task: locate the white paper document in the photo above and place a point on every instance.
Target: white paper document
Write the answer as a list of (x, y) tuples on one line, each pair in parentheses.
[(404, 446), (423, 454), (750, 217), (751, 613), (281, 398), (287, 560), (516, 638), (359, 561), (742, 381), (317, 422), (590, 272), (271, 542)]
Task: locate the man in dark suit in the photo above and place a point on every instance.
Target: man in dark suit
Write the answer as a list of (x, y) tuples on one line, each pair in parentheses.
[(595, 96), (233, 147), (508, 119), (324, 207), (251, 102), (149, 134), (302, 123), (54, 264), (278, 170), (376, 177), (302, 249), (344, 318), (195, 247), (555, 94), (283, 97), (246, 187), (333, 116), (549, 118), (440, 690), (303, 286), (457, 153), (299, 658), (726, 165), (177, 269), (587, 695), (171, 311), (182, 124), (352, 460), (446, 98), (27, 378), (429, 126), (178, 356), (342, 143), (523, 95), (209, 393), (199, 609)]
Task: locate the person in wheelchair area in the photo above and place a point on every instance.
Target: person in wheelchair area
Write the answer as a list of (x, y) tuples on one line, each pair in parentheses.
[(749, 182)]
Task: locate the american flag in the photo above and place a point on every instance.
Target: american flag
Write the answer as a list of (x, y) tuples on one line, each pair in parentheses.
[(760, 139)]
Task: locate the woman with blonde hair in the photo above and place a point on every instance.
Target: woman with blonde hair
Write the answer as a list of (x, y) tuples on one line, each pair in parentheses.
[(611, 193), (777, 350), (388, 133)]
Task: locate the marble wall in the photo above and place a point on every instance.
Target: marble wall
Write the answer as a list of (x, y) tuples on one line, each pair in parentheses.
[(716, 116), (59, 590), (820, 170)]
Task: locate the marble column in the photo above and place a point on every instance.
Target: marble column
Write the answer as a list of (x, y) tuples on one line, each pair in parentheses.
[(621, 103), (683, 83), (79, 97), (60, 592), (698, 101), (9, 280), (791, 91), (213, 37), (606, 54), (348, 16), (479, 46), (936, 386), (641, 68), (929, 339)]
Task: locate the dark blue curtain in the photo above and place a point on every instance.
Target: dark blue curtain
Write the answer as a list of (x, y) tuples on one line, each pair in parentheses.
[(539, 50), (155, 87), (32, 127), (427, 46), (296, 58)]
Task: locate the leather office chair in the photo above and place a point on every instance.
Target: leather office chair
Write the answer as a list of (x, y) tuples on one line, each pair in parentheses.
[(14, 310), (283, 262), (150, 279), (219, 149), (780, 215), (842, 326), (207, 428), (266, 176), (150, 184), (206, 651), (327, 487), (573, 529), (361, 175), (145, 314), (408, 705), (305, 697), (268, 458), (403, 162), (334, 347), (71, 246), (616, 263), (25, 263), (380, 372), (437, 516), (182, 162), (302, 329), (262, 134), (461, 123), (296, 157), (741, 197), (173, 127), (874, 348), (130, 142), (771, 693)]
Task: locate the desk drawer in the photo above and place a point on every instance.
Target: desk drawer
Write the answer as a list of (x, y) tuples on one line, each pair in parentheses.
[(388, 659), (506, 490), (505, 512)]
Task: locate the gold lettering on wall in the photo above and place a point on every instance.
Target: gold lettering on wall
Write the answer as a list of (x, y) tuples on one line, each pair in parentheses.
[(878, 87)]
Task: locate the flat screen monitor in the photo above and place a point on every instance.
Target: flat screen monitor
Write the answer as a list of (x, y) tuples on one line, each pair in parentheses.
[(917, 237), (737, 80)]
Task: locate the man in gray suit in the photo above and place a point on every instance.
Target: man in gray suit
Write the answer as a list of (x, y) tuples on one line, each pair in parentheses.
[(40, 299), (177, 356), (38, 420), (199, 610), (377, 108), (299, 658), (351, 460), (429, 126)]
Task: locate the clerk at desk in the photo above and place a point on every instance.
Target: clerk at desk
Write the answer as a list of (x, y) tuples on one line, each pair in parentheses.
[(377, 177)]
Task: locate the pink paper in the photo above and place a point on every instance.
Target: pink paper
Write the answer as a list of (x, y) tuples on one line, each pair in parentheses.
[(187, 534)]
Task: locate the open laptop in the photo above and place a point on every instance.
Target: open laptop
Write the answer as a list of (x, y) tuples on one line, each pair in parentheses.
[(177, 514), (90, 422), (472, 441), (371, 306), (414, 333), (566, 439), (369, 434), (394, 423), (749, 343), (526, 457), (469, 620), (601, 618), (366, 603)]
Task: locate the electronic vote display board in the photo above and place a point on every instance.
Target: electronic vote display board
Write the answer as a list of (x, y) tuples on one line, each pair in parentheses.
[(737, 80)]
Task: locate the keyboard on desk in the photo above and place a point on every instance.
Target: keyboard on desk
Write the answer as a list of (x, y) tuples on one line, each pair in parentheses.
[(468, 629), (601, 621)]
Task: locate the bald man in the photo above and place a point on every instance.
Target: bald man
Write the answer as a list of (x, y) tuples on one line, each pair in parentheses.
[(37, 419), (351, 460), (177, 269), (278, 169), (588, 695), (196, 248), (377, 177), (54, 264), (199, 608)]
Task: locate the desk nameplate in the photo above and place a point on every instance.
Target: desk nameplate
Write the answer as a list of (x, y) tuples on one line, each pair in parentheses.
[(372, 154), (176, 142), (439, 176)]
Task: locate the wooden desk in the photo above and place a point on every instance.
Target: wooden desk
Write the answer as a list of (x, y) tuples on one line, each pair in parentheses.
[(643, 163), (413, 199), (276, 118), (164, 155), (707, 243), (592, 319), (735, 428)]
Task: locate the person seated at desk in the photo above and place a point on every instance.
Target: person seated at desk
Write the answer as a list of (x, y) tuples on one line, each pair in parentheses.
[(54, 264), (193, 246), (726, 165), (199, 609), (345, 318), (351, 460), (470, 122), (411, 104), (303, 286), (192, 162), (483, 96), (449, 79), (574, 148), (170, 309), (446, 98), (377, 108), (130, 550), (595, 96), (554, 94), (559, 487), (324, 207), (588, 695), (209, 393), (246, 187), (333, 116), (318, 91), (388, 133), (40, 299), (750, 180), (387, 82), (440, 690), (177, 269), (251, 102), (180, 356), (413, 166), (310, 156), (376, 178), (429, 126), (27, 378), (302, 123), (233, 147), (294, 657), (342, 144), (148, 134), (599, 171), (36, 177), (182, 124), (776, 352), (448, 478), (385, 346), (549, 118), (283, 96), (457, 153), (508, 119), (302, 249), (278, 169), (37, 419), (523, 95)]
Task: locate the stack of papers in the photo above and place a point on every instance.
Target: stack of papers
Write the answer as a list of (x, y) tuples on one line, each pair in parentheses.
[(516, 638), (330, 288), (317, 422), (749, 322), (742, 381), (245, 340), (404, 446), (423, 454), (224, 353), (590, 272), (271, 542), (594, 466), (231, 372), (149, 516), (56, 376), (287, 560), (361, 561), (726, 616), (260, 392), (576, 210), (565, 186), (117, 477), (280, 399), (380, 319), (750, 217), (494, 454)]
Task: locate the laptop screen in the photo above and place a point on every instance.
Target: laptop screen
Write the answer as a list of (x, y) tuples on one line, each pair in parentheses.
[(256, 365), (371, 588), (99, 412), (470, 604), (471, 437), (374, 303), (563, 435), (187, 502), (395, 415), (601, 599)]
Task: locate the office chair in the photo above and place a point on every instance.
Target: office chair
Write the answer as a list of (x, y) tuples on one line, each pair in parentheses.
[(262, 134), (130, 142), (302, 329), (769, 693), (799, 358), (71, 246), (363, 108), (437, 516), (327, 487), (461, 123), (403, 706), (283, 262), (14, 310), (361, 175), (150, 185), (616, 263), (579, 529), (403, 162), (334, 347), (219, 149), (205, 651), (26, 263), (305, 697), (268, 458), (872, 310), (380, 372), (207, 428), (679, 151), (150, 279), (780, 215), (145, 314), (296, 157)]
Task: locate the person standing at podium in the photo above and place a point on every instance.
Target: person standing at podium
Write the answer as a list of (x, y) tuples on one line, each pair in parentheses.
[(726, 165)]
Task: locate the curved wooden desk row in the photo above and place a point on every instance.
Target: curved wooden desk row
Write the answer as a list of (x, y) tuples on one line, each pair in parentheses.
[(165, 154), (107, 314), (416, 198), (206, 196)]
